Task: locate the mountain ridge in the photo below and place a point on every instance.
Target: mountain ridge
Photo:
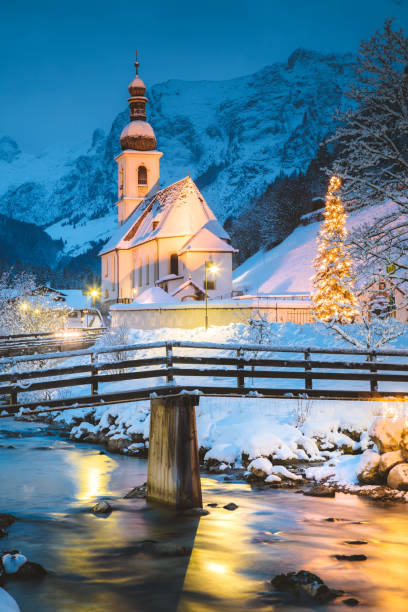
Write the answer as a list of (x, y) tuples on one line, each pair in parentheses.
[(234, 136)]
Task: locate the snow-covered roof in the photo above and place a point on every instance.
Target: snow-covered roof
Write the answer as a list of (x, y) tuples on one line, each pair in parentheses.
[(168, 277), (155, 295), (179, 210), (206, 240), (74, 298), (186, 284)]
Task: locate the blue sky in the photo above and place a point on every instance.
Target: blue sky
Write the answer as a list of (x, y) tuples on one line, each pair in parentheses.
[(65, 66)]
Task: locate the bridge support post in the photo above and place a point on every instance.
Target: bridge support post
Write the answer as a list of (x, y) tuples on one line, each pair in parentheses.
[(173, 475)]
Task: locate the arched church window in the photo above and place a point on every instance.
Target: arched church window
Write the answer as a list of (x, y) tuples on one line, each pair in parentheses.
[(141, 175), (174, 263), (121, 179)]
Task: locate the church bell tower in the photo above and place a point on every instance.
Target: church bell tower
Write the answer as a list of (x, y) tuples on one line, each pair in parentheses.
[(139, 162)]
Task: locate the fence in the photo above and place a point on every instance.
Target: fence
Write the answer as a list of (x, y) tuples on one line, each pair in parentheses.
[(171, 368)]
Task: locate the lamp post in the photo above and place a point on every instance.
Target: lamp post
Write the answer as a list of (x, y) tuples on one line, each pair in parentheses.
[(209, 267), (93, 292)]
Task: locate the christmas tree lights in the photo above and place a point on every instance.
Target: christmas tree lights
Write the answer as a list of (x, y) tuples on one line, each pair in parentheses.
[(333, 299)]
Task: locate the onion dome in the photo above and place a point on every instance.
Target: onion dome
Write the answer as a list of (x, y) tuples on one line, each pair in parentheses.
[(138, 134), (137, 87)]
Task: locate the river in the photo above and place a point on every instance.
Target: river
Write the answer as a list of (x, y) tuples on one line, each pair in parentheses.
[(99, 564)]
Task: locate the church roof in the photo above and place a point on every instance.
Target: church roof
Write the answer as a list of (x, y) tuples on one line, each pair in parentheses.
[(188, 283), (178, 210), (207, 241)]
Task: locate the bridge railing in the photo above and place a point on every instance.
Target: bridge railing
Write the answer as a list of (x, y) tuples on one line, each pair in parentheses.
[(62, 340), (164, 368)]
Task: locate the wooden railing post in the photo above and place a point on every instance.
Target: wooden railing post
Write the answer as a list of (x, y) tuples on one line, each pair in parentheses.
[(94, 372), (372, 358), (169, 362), (308, 371), (240, 368)]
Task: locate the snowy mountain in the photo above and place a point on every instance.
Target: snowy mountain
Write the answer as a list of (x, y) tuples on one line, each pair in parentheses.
[(233, 136), (288, 267)]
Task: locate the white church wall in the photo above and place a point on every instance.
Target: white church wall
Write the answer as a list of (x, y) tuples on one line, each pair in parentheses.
[(195, 265)]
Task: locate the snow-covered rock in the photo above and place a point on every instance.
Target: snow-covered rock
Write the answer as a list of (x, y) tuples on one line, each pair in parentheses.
[(260, 467), (387, 433), (398, 477), (367, 470), (12, 563), (387, 462), (273, 478), (283, 472)]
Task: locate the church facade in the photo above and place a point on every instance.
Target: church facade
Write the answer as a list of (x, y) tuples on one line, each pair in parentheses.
[(167, 238)]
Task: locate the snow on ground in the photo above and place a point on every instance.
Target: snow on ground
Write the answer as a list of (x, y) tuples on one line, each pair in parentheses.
[(78, 238), (234, 431), (155, 295), (288, 267)]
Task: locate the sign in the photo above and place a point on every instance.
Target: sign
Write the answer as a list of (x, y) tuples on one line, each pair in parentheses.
[(391, 269)]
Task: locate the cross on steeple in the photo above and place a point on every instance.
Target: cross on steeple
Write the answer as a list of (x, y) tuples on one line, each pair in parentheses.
[(137, 63)]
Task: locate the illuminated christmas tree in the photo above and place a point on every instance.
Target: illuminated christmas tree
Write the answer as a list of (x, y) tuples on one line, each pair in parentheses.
[(333, 299)]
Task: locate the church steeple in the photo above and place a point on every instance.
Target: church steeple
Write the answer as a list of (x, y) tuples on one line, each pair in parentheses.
[(138, 164), (138, 134)]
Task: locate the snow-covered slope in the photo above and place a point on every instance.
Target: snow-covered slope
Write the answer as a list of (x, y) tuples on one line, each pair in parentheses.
[(234, 136), (289, 266)]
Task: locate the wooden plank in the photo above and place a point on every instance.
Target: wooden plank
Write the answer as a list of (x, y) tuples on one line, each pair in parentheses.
[(173, 476), (112, 365)]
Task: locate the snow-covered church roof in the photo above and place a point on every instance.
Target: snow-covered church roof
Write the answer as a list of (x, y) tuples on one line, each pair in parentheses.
[(177, 210), (206, 240)]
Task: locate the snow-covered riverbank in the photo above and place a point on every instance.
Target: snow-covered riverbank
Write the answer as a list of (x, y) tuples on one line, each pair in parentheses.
[(233, 432)]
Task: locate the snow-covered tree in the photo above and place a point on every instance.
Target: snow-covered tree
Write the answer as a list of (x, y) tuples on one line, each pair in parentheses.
[(24, 312), (372, 145), (333, 297)]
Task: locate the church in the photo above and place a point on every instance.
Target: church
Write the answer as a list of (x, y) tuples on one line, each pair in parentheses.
[(167, 238)]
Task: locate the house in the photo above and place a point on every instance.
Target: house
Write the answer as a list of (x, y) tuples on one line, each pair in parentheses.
[(168, 237), (384, 297)]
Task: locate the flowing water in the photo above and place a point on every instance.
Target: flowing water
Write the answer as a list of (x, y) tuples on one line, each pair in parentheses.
[(99, 564)]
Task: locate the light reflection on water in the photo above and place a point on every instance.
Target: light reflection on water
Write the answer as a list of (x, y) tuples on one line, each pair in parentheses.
[(97, 564)]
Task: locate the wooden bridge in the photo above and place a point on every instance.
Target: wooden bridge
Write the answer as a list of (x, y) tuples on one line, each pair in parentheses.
[(44, 342), (174, 375)]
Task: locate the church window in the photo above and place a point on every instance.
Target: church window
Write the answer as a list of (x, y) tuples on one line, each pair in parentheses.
[(106, 266), (147, 271), (174, 263), (210, 284), (140, 272), (141, 175), (121, 179)]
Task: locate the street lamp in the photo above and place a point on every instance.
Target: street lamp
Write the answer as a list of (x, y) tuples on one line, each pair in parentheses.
[(209, 267), (94, 293)]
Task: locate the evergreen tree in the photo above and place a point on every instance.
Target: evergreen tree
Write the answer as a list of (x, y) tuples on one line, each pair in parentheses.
[(333, 300)]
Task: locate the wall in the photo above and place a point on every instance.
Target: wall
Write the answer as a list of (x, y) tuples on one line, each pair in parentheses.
[(191, 315)]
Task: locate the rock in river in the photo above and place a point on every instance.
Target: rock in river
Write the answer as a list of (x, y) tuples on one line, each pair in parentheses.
[(6, 520), (388, 461), (305, 584), (102, 507), (320, 491), (398, 477), (350, 557), (367, 469)]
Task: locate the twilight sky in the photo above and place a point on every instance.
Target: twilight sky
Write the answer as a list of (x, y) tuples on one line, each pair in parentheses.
[(65, 65)]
